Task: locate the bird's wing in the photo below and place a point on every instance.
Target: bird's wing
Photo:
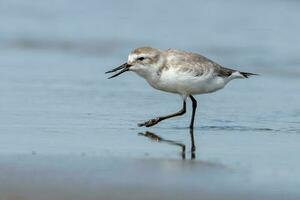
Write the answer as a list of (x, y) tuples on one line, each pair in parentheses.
[(193, 64)]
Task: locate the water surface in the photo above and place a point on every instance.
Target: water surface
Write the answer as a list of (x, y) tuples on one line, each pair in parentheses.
[(57, 103)]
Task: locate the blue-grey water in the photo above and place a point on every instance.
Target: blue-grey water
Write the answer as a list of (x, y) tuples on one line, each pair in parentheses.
[(55, 100)]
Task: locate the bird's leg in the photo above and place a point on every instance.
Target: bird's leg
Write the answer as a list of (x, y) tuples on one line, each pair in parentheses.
[(193, 148), (152, 122), (194, 103)]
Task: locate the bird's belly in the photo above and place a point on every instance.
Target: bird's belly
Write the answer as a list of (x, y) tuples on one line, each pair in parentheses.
[(186, 84)]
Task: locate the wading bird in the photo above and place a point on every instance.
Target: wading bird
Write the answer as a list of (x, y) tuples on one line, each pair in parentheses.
[(180, 72)]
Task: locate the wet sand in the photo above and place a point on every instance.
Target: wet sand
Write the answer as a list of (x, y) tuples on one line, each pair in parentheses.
[(87, 177), (66, 132)]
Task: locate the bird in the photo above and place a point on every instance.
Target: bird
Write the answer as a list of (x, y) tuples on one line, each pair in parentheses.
[(180, 72)]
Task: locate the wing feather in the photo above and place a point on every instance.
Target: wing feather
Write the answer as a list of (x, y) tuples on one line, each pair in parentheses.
[(194, 64), (190, 63)]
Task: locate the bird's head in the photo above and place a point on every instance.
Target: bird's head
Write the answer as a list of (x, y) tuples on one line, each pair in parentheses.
[(145, 61)]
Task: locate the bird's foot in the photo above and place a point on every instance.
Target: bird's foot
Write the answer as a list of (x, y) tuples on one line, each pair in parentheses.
[(150, 122)]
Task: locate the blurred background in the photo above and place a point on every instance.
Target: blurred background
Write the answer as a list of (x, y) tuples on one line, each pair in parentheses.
[(54, 55), (55, 99), (257, 35)]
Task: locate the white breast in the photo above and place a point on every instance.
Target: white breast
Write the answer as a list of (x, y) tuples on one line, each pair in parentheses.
[(187, 84)]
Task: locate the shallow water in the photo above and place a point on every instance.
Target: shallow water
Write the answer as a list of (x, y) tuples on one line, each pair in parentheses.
[(56, 101)]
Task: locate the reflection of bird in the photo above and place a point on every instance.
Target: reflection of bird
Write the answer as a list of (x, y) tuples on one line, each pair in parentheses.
[(179, 72), (157, 138)]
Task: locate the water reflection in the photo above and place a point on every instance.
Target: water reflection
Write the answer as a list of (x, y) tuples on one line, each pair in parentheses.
[(156, 137)]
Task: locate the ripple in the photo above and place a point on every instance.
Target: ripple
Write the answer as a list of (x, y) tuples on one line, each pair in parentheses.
[(239, 128), (234, 128)]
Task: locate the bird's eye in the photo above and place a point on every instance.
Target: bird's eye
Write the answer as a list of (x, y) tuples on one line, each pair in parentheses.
[(141, 58)]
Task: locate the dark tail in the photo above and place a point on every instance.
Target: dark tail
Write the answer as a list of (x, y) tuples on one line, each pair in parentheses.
[(247, 74)]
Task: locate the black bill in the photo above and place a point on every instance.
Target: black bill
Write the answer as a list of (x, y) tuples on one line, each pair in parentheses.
[(123, 68)]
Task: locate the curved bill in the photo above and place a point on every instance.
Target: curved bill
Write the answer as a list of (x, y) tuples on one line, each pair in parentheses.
[(123, 68)]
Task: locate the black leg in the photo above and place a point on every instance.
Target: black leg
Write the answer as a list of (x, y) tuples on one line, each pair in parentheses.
[(193, 147), (194, 111), (152, 122)]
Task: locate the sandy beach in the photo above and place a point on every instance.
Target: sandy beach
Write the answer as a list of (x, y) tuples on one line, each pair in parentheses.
[(66, 132), (90, 177)]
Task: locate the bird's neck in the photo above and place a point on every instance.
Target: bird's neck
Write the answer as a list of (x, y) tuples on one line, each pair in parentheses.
[(151, 77)]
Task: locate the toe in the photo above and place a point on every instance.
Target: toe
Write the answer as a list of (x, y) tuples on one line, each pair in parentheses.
[(149, 123), (141, 124)]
